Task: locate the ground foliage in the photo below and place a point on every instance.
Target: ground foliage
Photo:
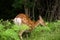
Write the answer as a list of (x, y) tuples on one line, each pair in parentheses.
[(10, 31)]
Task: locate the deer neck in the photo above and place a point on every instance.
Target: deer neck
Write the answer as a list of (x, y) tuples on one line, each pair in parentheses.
[(36, 23)]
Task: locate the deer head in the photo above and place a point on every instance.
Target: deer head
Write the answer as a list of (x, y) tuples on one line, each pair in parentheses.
[(41, 21)]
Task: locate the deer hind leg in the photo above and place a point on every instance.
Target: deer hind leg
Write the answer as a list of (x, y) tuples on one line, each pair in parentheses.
[(20, 34)]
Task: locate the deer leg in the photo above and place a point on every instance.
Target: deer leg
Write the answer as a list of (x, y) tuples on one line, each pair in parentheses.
[(20, 34)]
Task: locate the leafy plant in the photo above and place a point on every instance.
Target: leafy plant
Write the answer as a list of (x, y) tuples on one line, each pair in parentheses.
[(9, 31)]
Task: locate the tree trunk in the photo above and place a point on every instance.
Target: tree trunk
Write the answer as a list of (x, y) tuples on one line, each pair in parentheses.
[(29, 12), (26, 10), (58, 10), (33, 14), (34, 9), (53, 12)]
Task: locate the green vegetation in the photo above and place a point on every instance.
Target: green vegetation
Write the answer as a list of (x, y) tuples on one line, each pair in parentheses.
[(9, 31)]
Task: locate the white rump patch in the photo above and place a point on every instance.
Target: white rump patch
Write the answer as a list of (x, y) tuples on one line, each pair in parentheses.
[(17, 21)]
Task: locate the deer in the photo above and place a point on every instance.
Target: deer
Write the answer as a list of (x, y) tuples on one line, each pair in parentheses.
[(25, 19)]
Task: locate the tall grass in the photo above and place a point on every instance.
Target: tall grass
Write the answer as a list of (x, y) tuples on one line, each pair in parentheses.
[(9, 31)]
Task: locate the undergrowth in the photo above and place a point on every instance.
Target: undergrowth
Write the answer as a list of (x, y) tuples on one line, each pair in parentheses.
[(9, 31)]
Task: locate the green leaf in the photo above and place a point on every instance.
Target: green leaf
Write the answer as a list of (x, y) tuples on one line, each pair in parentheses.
[(11, 33), (1, 27)]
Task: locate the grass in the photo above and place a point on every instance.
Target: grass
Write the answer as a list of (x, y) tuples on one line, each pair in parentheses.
[(10, 31), (49, 32)]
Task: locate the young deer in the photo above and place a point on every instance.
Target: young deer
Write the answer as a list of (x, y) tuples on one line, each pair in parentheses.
[(22, 18)]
